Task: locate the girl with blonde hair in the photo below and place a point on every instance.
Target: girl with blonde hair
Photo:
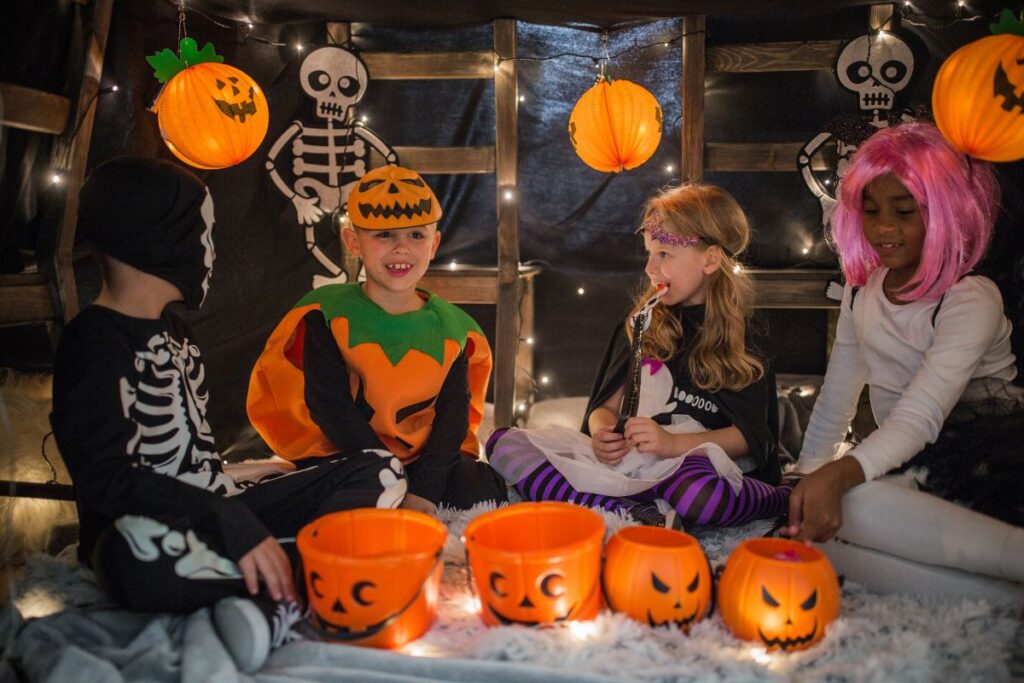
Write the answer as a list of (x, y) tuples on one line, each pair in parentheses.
[(700, 431)]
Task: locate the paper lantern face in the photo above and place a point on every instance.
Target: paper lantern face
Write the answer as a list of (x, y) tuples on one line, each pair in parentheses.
[(657, 576), (391, 198), (615, 126), (978, 98), (779, 593), (212, 115), (536, 563)]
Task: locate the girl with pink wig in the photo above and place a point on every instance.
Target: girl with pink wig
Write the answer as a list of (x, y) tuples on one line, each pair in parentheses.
[(930, 340)]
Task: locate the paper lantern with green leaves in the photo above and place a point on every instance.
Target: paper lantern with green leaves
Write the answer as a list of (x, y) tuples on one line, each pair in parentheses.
[(211, 115), (978, 96)]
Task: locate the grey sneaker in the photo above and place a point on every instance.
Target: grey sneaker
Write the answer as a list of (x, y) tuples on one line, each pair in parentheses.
[(245, 632)]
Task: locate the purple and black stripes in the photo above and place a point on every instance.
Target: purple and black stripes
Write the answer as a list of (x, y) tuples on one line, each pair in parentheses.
[(547, 483)]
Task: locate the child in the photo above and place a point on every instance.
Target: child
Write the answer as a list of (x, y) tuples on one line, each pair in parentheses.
[(703, 391), (930, 340), (161, 523), (382, 365)]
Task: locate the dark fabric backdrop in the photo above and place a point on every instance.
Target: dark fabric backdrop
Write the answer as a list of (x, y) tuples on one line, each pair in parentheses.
[(574, 221)]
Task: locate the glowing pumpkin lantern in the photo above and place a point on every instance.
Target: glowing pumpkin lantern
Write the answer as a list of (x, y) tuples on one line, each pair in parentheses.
[(211, 115), (615, 125), (779, 593), (372, 576), (536, 563), (390, 198), (657, 576), (978, 96)]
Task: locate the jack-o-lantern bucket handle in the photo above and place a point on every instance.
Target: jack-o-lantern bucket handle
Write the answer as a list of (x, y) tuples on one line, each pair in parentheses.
[(313, 623)]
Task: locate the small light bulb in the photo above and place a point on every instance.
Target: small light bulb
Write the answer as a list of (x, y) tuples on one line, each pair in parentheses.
[(522, 407), (249, 24), (544, 379), (298, 46), (737, 268), (665, 44), (581, 291), (453, 265), (113, 88), (522, 98), (497, 66), (509, 195), (668, 168), (364, 118), (56, 179), (960, 3), (529, 340), (805, 251)]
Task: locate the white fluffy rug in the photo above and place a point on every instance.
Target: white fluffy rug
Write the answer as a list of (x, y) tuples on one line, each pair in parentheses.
[(876, 638)]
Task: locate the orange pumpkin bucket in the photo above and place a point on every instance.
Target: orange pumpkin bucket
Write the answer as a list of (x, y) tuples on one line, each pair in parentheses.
[(658, 577), (778, 592), (372, 576), (536, 563)]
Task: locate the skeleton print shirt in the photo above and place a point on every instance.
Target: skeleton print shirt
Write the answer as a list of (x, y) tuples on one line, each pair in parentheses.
[(753, 410), (129, 416)]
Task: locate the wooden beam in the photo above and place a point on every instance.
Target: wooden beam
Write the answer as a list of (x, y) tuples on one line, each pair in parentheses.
[(811, 55), (391, 66), (469, 284), (881, 17), (34, 110), (792, 288), (25, 299), (777, 156), (506, 157), (447, 160), (692, 161), (73, 156)]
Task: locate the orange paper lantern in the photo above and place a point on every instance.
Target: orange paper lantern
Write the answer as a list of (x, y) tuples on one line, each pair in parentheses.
[(658, 577), (978, 96), (615, 125), (536, 563), (372, 576), (779, 593), (211, 115)]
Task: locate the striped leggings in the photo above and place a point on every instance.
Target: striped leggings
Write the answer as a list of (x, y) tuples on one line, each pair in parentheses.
[(696, 491)]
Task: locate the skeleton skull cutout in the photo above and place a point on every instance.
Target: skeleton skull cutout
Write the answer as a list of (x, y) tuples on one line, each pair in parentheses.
[(336, 79), (875, 67)]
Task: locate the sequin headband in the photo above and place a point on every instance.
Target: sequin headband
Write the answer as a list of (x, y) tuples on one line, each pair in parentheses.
[(653, 226)]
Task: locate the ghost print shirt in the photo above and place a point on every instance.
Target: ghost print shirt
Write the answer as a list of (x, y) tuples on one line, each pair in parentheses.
[(753, 409), (129, 417)]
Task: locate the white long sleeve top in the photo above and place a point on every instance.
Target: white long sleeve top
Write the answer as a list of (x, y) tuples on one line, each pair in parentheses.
[(916, 371)]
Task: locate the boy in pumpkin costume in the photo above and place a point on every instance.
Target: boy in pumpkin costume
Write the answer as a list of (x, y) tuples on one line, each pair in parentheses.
[(383, 364)]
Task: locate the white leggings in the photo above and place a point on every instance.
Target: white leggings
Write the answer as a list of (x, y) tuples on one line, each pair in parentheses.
[(886, 515)]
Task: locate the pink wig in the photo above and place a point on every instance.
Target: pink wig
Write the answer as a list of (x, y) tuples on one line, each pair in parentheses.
[(958, 199)]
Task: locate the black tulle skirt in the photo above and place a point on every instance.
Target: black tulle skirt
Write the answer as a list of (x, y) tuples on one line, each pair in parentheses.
[(978, 458)]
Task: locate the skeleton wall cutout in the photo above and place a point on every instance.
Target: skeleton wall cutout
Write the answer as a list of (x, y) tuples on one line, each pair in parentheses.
[(875, 67), (328, 157)]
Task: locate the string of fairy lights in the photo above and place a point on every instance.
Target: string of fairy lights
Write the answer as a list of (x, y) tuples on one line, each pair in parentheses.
[(906, 11)]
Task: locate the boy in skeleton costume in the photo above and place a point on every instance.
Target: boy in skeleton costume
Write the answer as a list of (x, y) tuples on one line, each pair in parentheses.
[(162, 524), (382, 365)]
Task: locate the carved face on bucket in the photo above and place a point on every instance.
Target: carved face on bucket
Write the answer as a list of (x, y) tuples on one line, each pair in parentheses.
[(543, 598), (680, 604), (360, 606)]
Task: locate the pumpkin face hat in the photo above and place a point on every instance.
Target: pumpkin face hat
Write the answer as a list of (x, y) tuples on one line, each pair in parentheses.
[(392, 198)]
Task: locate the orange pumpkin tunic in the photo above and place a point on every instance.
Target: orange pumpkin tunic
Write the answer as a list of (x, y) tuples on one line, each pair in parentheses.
[(396, 363)]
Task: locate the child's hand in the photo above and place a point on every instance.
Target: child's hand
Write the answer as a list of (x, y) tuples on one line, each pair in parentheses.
[(816, 504), (609, 447), (647, 436), (418, 503), (268, 561)]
